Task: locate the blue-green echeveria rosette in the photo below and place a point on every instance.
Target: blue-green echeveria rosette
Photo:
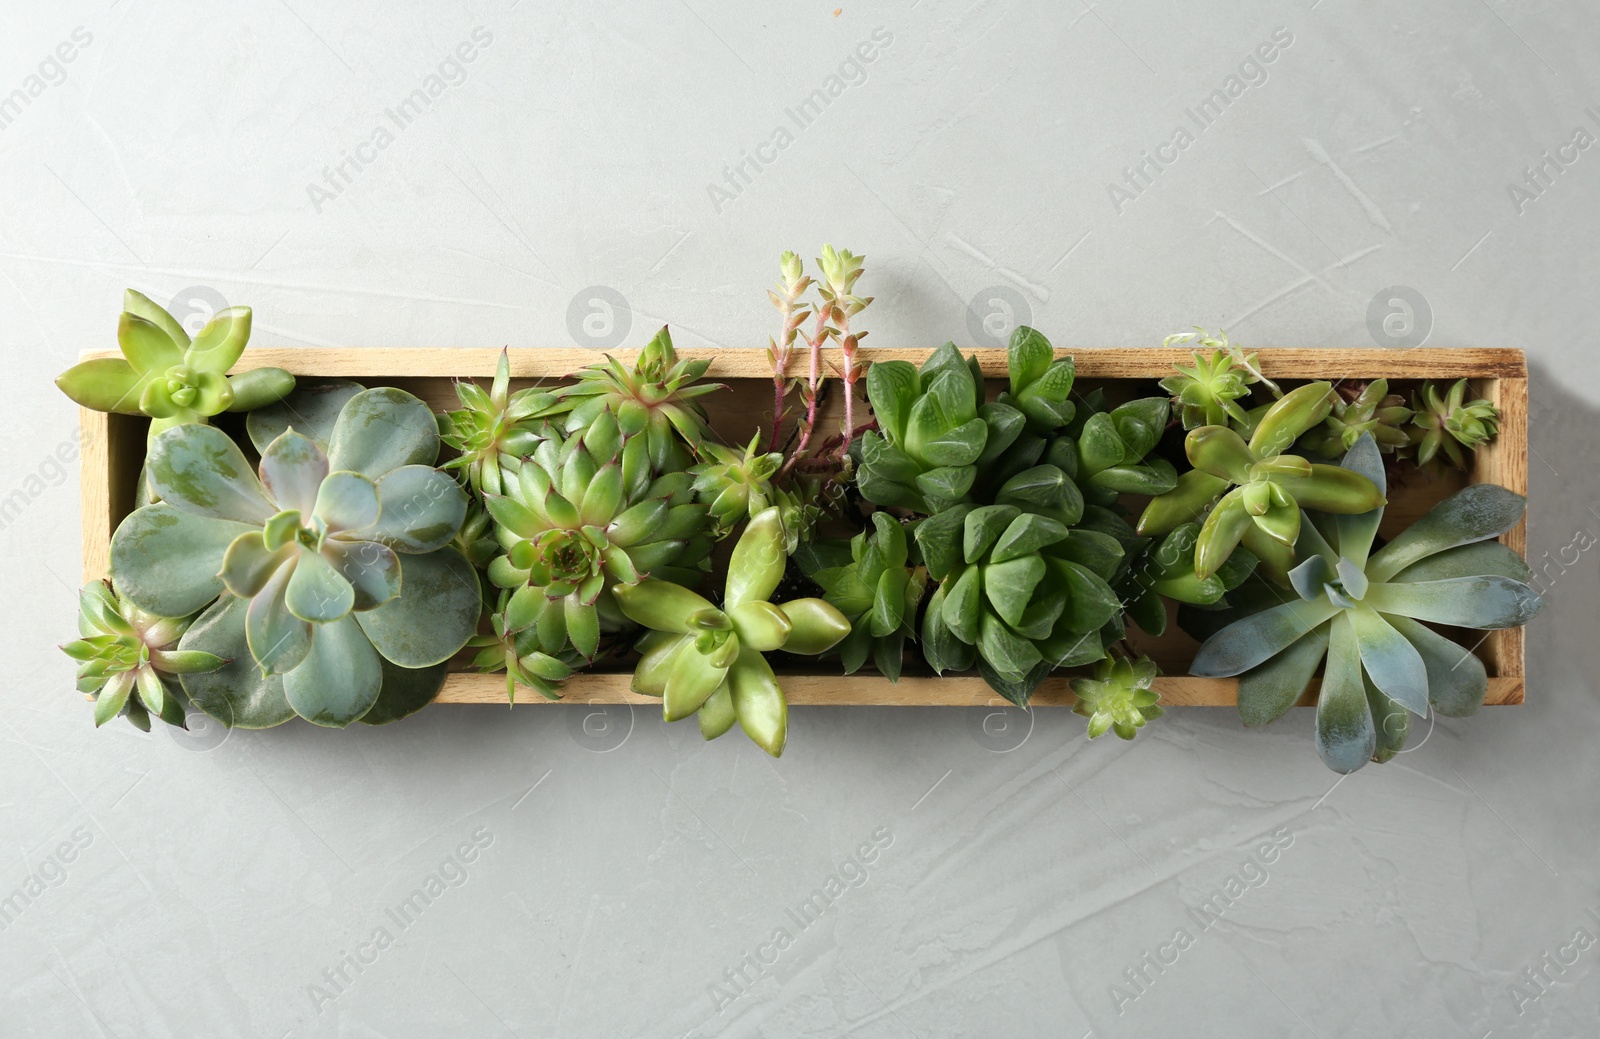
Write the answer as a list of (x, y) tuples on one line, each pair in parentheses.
[(1363, 615), (340, 596)]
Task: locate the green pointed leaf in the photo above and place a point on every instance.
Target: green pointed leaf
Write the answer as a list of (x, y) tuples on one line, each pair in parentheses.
[(691, 680), (106, 384), (1479, 559), (1005, 650), (1009, 586), (1345, 735), (660, 605), (221, 342), (1028, 356), (1005, 426), (983, 528), (1287, 420), (1254, 640), (434, 615), (891, 387), (146, 346), (1046, 490), (949, 484), (1356, 531), (941, 538), (340, 678), (1025, 536), (200, 470), (815, 626), (963, 605), (758, 560), (259, 387), (1091, 602), (758, 702), (716, 716), (166, 562), (957, 447), (113, 698), (603, 496)]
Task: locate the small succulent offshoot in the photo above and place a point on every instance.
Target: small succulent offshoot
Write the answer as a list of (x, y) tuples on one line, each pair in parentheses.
[(1360, 409), (735, 485), (1120, 697), (129, 660), (307, 559), (494, 429), (1362, 611), (1208, 392), (708, 661), (517, 653), (657, 397), (1269, 487), (170, 378), (1446, 422)]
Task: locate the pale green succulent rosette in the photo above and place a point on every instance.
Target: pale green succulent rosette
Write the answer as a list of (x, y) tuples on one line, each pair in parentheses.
[(341, 599), (1120, 698), (169, 378), (1362, 612), (708, 661)]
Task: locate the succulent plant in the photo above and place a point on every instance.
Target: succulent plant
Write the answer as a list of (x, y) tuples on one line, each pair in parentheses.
[(168, 377), (879, 591), (735, 485), (1268, 487), (517, 653), (1359, 409), (1119, 697), (1447, 422), (705, 660), (656, 398), (1362, 611), (307, 559), (1163, 568), (585, 515), (1208, 393), (1019, 592), (129, 661), (496, 428), (935, 431), (1040, 386)]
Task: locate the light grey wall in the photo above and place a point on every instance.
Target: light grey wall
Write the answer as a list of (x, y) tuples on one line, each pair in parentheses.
[(1018, 873)]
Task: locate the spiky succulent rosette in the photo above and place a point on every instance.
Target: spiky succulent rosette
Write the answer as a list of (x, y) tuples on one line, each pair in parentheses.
[(735, 485), (1446, 422), (655, 398), (308, 558), (1120, 697), (585, 514), (1360, 614), (494, 428), (170, 378), (1268, 486), (129, 660), (517, 653), (878, 588), (1207, 393), (1356, 410), (708, 661)]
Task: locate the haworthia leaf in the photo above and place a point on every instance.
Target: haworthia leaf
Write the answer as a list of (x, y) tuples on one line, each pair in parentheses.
[(891, 387)]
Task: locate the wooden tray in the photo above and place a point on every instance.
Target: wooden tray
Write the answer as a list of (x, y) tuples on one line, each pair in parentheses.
[(113, 451)]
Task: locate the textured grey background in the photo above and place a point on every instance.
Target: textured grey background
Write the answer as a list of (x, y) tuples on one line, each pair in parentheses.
[(214, 884)]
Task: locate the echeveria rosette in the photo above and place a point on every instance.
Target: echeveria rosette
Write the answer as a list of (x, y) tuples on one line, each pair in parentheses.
[(584, 515), (879, 590), (129, 661), (1361, 614), (1359, 409), (340, 598), (495, 428), (1445, 422), (708, 661), (1019, 594), (166, 376), (1269, 487), (657, 398), (935, 432), (1120, 698)]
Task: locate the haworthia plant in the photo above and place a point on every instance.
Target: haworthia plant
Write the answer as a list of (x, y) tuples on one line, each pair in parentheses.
[(1360, 613), (879, 588), (340, 598)]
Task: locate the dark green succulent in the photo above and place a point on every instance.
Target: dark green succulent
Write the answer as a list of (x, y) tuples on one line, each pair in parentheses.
[(935, 432), (708, 661), (878, 589), (494, 429), (1019, 594), (1369, 409), (1446, 422), (168, 377), (129, 661), (586, 514), (657, 398), (1120, 697), (517, 653), (1269, 487), (1360, 614), (308, 559), (1162, 569)]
